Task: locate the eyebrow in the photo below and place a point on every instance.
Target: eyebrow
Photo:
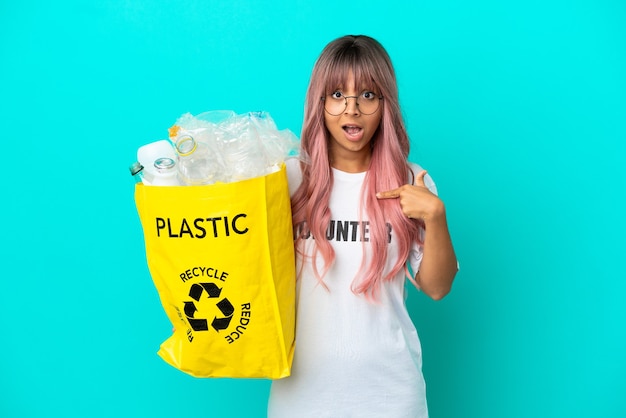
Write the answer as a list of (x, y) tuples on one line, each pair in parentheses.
[(361, 91)]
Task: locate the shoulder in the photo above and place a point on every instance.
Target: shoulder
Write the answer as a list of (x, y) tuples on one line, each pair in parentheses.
[(428, 180), (294, 174)]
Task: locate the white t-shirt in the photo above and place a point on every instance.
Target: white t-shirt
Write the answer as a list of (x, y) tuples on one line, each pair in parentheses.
[(353, 357)]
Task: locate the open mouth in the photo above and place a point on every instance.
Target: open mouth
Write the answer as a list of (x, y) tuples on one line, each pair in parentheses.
[(352, 130)]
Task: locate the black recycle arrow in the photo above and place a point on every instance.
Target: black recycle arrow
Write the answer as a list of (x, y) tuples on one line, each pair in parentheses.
[(221, 323), (190, 309), (211, 288), (227, 309), (196, 324)]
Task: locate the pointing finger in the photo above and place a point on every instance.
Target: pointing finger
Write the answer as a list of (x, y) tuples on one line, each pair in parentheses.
[(390, 194)]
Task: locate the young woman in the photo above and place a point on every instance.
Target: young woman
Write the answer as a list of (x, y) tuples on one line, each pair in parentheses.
[(364, 218)]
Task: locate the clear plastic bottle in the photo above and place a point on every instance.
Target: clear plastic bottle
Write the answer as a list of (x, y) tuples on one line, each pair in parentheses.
[(242, 148), (166, 173), (196, 163)]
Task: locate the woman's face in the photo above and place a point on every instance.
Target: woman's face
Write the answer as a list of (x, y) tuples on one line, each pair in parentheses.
[(351, 131)]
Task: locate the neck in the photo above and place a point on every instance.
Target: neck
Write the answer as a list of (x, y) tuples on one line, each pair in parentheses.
[(351, 163)]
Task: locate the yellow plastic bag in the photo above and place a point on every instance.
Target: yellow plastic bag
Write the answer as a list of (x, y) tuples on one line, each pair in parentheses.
[(222, 260)]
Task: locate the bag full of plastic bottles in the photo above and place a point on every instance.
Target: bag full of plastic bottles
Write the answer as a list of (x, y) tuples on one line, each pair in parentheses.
[(214, 206)]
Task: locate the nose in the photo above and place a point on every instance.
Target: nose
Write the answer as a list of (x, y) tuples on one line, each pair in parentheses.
[(352, 106)]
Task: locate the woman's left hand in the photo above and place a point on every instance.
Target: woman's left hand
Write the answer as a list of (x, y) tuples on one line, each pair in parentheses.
[(416, 201), (438, 266)]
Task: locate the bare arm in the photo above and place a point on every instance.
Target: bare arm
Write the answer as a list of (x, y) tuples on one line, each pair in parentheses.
[(439, 264)]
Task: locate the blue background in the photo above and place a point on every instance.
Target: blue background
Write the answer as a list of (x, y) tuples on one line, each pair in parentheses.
[(517, 109)]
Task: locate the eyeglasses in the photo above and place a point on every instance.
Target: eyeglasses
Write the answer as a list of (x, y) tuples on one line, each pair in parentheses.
[(336, 103)]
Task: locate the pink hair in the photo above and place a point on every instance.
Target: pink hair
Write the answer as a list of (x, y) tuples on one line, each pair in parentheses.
[(372, 68)]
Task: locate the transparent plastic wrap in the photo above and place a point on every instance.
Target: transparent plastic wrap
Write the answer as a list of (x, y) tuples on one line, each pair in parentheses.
[(222, 146)]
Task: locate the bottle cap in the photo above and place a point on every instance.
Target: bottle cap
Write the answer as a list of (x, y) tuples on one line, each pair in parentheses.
[(135, 168)]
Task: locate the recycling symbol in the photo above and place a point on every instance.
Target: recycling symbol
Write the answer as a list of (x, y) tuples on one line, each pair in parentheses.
[(213, 292)]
